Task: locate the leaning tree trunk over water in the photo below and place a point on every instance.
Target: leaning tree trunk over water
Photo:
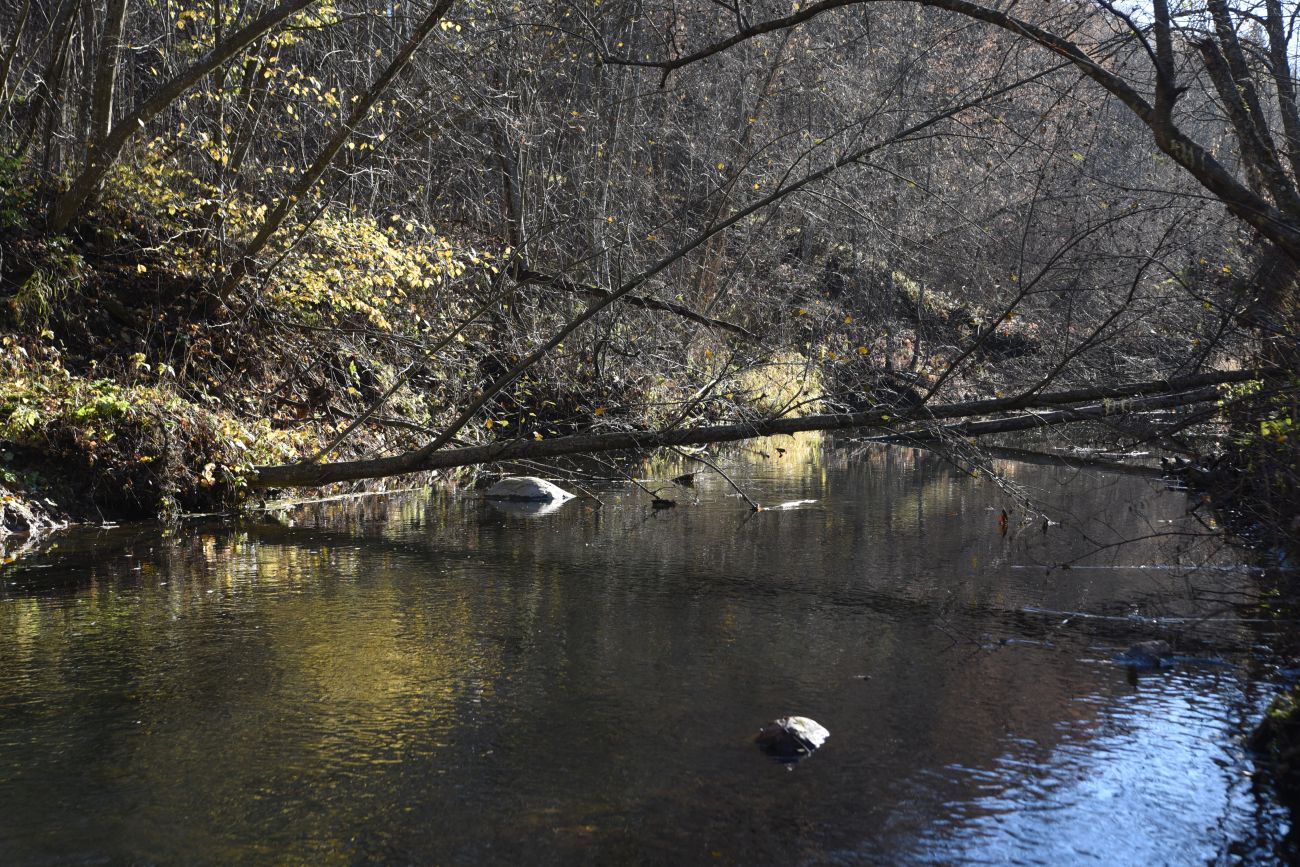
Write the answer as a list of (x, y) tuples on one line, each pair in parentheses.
[(1122, 399), (1037, 421), (1276, 216)]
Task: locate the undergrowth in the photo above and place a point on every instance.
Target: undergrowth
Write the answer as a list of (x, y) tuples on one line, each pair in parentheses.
[(136, 446)]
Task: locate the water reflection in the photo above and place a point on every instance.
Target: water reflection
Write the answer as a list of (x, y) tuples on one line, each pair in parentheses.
[(528, 508), (431, 679)]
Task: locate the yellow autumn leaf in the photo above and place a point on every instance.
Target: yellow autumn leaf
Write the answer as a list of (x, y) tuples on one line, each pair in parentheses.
[(140, 269), (600, 410)]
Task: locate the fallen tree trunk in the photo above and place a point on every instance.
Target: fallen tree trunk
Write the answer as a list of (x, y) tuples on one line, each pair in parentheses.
[(1070, 462), (1033, 421), (1130, 396)]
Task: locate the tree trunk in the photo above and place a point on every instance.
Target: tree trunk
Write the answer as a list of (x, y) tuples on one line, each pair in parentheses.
[(312, 475), (11, 51), (106, 66)]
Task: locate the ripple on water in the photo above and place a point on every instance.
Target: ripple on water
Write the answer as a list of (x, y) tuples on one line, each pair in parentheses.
[(1142, 785)]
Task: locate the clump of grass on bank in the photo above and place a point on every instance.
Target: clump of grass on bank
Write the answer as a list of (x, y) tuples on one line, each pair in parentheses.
[(1256, 481), (135, 445), (1277, 740)]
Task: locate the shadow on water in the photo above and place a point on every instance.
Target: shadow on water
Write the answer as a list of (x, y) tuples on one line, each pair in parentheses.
[(430, 679)]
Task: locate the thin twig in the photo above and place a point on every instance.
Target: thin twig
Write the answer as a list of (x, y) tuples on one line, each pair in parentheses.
[(711, 465)]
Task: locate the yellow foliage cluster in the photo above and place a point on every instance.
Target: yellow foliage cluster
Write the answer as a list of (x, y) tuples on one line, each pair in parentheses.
[(342, 262), (350, 263), (197, 25), (787, 383)]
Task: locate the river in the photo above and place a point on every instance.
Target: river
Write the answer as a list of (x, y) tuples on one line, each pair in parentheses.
[(429, 678)]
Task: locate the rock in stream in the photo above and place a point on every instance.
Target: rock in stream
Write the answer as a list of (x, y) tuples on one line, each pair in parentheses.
[(791, 737), (1148, 654), (527, 489)]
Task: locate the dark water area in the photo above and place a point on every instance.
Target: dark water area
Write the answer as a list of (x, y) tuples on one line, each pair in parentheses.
[(429, 678)]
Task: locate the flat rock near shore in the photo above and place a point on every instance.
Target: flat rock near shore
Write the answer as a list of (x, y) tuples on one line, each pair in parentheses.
[(21, 517)]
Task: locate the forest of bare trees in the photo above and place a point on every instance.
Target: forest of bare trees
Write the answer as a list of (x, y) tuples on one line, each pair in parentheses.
[(354, 239)]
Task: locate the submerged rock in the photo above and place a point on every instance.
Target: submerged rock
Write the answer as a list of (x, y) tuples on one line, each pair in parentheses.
[(527, 489), (1148, 654), (792, 737)]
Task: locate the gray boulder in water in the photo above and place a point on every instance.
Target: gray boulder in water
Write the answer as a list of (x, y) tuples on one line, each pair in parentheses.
[(527, 489), (1148, 654), (792, 737)]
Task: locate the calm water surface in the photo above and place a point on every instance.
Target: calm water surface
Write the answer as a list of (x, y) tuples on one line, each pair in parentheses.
[(431, 679)]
